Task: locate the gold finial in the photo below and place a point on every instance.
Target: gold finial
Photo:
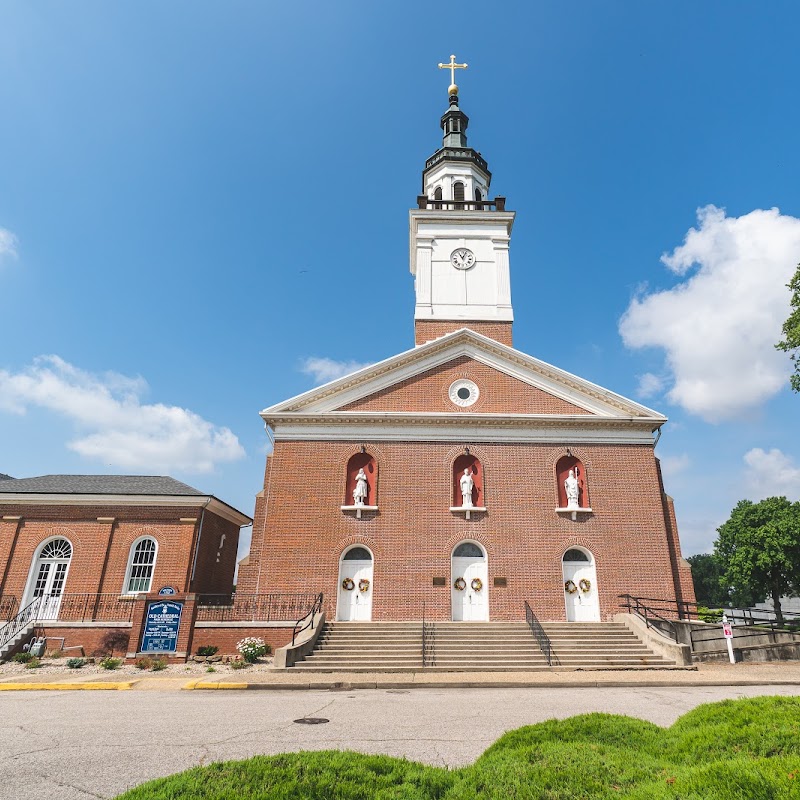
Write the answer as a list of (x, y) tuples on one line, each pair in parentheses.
[(452, 66)]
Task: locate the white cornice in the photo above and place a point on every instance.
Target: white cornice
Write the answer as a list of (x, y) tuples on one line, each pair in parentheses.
[(213, 505), (464, 342)]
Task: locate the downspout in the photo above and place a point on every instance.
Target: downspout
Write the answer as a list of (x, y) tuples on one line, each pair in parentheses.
[(197, 544)]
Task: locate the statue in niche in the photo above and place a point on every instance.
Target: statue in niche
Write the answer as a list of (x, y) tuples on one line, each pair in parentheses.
[(571, 488), (362, 488), (467, 485)]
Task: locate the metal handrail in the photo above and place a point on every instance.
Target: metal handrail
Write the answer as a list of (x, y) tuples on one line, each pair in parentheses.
[(649, 613), (543, 640), (316, 608), (20, 621), (428, 638)]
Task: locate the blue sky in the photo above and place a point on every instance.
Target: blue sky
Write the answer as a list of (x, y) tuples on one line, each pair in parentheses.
[(198, 198)]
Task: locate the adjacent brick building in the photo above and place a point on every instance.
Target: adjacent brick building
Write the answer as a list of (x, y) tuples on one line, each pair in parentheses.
[(463, 478)]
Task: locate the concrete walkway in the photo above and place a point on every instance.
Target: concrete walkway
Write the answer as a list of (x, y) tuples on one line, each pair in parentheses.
[(751, 674)]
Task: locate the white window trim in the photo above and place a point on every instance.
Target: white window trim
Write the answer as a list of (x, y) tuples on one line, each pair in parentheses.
[(125, 591)]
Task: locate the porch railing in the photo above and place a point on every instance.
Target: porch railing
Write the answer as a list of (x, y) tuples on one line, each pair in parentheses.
[(542, 639), (91, 607), (254, 607)]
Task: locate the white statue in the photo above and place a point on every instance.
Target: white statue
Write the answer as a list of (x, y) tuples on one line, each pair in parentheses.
[(571, 488), (360, 492), (467, 484)]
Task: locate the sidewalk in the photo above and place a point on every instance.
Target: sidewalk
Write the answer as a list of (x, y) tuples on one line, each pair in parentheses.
[(750, 674)]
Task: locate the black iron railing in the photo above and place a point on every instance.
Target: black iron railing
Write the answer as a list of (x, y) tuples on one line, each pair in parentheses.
[(498, 204), (307, 620), (538, 632), (271, 607), (19, 622), (9, 606), (428, 641), (91, 607)]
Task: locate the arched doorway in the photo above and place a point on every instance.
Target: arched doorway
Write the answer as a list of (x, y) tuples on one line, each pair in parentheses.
[(469, 584), (580, 586), (355, 586), (48, 576)]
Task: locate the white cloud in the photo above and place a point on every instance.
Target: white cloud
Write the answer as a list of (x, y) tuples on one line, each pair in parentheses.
[(771, 474), (673, 465), (323, 370), (115, 426), (649, 385), (719, 326), (8, 244)]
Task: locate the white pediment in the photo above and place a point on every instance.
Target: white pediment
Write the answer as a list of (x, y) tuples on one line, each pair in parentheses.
[(332, 396)]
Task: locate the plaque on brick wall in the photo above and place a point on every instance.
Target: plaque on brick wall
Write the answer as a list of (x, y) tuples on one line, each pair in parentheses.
[(440, 582), (161, 626), (500, 582)]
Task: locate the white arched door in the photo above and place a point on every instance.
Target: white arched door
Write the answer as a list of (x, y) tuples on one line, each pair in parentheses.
[(355, 586), (580, 586), (48, 577), (469, 583)]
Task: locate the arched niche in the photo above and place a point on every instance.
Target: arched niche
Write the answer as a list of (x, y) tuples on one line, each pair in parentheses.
[(368, 463), (475, 470), (564, 465)]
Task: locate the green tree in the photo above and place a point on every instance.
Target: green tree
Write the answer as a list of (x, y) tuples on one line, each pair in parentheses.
[(791, 330), (759, 550), (706, 573)]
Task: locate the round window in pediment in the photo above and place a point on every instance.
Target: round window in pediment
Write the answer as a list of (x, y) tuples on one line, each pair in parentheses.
[(463, 392)]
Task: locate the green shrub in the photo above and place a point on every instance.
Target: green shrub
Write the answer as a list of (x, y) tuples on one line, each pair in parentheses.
[(110, 663), (21, 658), (207, 650), (144, 663), (252, 648), (75, 663), (709, 614), (34, 663), (239, 664), (159, 664), (210, 669)]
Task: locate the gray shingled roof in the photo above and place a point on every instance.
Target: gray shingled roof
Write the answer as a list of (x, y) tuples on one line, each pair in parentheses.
[(99, 484)]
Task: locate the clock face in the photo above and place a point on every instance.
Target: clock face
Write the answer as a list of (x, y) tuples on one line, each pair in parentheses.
[(462, 258)]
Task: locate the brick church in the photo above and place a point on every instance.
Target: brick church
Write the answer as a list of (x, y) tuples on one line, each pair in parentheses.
[(462, 478)]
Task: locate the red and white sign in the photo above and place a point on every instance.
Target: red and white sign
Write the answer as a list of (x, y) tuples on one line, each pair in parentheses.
[(727, 630)]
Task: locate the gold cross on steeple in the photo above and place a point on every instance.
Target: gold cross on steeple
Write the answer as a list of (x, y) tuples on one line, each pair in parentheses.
[(452, 66)]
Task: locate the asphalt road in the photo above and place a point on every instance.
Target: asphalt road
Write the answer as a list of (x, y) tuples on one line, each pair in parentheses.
[(76, 745)]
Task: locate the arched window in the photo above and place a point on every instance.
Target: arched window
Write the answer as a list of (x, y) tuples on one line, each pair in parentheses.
[(357, 554), (468, 550), (573, 554), (141, 562), (478, 195), (563, 467), (458, 191), (475, 471)]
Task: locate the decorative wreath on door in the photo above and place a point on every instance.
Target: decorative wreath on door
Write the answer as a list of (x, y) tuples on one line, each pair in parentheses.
[(584, 585), (348, 584), (363, 585), (477, 584), (570, 587), (460, 584)]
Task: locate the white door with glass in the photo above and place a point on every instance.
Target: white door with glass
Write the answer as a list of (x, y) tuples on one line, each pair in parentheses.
[(355, 586), (49, 576), (580, 586), (469, 584)]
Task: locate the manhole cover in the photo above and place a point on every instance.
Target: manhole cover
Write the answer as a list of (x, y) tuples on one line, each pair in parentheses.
[(311, 721)]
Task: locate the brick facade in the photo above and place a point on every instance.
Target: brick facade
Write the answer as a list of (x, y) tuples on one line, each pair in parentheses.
[(426, 330), (300, 532)]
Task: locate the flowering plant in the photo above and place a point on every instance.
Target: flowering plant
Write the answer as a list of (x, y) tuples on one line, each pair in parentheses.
[(251, 648)]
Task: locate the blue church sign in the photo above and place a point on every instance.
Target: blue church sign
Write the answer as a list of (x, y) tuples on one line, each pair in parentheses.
[(167, 590), (161, 626)]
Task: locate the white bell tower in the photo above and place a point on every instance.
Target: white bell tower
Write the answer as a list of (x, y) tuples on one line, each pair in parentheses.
[(459, 239)]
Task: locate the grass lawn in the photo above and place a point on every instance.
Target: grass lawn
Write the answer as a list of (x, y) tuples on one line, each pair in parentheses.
[(734, 750)]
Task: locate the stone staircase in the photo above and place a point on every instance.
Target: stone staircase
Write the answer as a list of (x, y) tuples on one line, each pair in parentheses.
[(20, 636), (476, 647)]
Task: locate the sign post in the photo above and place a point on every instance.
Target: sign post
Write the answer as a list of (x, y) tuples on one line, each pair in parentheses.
[(727, 632)]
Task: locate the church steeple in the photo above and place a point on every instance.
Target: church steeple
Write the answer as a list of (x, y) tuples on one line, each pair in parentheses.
[(460, 238)]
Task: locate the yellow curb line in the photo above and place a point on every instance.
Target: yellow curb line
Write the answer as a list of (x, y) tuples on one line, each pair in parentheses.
[(220, 685), (19, 687)]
